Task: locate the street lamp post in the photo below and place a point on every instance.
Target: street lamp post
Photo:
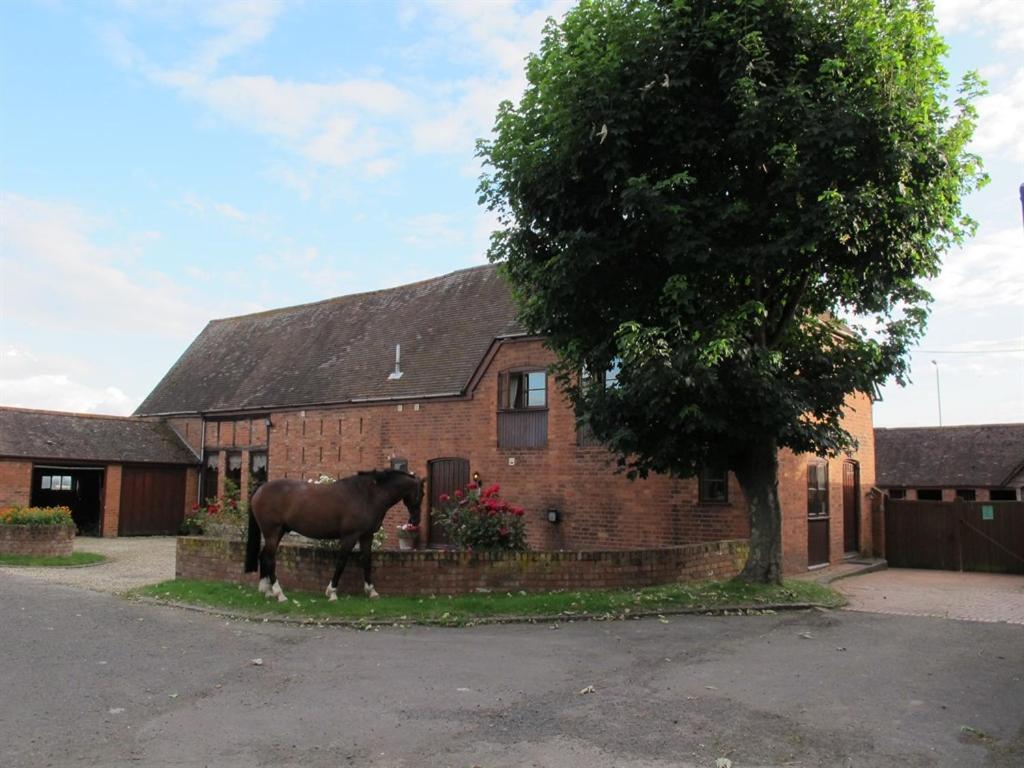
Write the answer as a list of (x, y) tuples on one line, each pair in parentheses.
[(938, 391)]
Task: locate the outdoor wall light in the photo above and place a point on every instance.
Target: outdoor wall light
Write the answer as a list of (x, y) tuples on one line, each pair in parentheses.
[(476, 478), (266, 423), (554, 516)]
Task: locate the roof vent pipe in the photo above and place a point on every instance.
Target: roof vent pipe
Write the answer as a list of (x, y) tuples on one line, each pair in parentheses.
[(396, 374)]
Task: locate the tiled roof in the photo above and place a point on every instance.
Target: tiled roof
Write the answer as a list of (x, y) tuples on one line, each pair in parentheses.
[(342, 350), (60, 436), (967, 457)]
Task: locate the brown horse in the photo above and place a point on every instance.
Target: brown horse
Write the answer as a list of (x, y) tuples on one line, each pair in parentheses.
[(351, 509)]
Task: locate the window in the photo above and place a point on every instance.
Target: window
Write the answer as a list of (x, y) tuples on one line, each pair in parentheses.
[(1003, 494), (526, 389), (817, 489), (257, 470), (714, 485), (965, 494), (234, 468), (929, 494), (522, 409), (400, 464), (55, 482), (897, 493), (211, 470)]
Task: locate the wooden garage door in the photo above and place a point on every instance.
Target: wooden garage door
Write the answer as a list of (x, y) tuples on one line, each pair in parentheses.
[(152, 500)]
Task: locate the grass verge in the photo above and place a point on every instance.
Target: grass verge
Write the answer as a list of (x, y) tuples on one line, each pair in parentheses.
[(469, 609), (76, 558)]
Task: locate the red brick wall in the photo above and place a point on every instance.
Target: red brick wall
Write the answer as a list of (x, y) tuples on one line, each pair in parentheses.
[(38, 540), (793, 491), (111, 500), (453, 573), (15, 483), (600, 509)]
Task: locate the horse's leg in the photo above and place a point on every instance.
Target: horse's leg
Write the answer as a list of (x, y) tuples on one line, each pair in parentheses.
[(268, 566), (343, 553), (366, 551)]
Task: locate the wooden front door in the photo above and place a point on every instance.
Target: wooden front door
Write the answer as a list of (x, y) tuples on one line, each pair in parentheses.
[(851, 506), (152, 500), (817, 514), (446, 476)]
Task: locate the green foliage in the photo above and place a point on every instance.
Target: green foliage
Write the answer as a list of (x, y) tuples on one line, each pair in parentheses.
[(36, 516), (700, 189), (478, 519), (616, 604)]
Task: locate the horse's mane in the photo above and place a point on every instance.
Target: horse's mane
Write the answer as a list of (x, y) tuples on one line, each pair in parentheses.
[(383, 475)]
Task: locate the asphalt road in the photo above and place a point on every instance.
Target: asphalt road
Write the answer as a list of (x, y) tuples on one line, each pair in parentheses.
[(89, 679)]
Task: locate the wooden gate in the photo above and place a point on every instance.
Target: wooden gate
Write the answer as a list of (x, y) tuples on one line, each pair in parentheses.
[(955, 535), (851, 506), (152, 500), (446, 475)]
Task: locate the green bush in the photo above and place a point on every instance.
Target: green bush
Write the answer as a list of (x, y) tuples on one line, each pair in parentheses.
[(36, 516)]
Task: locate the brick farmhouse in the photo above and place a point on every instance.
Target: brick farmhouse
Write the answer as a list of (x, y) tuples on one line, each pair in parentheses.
[(439, 378)]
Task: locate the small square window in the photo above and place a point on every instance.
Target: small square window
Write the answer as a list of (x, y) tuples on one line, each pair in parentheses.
[(1002, 494), (929, 494), (897, 493), (965, 494), (714, 485)]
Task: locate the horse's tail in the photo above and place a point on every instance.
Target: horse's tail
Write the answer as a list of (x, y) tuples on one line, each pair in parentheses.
[(252, 543)]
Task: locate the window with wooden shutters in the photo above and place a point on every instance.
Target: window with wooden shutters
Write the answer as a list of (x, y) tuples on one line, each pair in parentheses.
[(817, 489), (522, 409)]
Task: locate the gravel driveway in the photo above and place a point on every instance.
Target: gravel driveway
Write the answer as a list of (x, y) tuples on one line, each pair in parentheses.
[(131, 562)]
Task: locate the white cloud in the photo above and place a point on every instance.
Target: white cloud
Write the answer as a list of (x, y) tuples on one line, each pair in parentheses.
[(1001, 118), (431, 230), (1000, 18), (28, 380), (61, 393), (988, 272), (55, 271), (200, 207)]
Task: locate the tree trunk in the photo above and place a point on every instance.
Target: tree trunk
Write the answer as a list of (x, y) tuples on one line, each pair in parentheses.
[(758, 474)]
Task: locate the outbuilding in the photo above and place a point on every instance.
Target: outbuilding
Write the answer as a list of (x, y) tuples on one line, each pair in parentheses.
[(120, 476)]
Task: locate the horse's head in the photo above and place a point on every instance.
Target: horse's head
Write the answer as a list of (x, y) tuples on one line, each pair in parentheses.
[(413, 498)]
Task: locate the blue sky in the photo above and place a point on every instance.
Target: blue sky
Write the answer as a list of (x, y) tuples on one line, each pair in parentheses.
[(165, 163)]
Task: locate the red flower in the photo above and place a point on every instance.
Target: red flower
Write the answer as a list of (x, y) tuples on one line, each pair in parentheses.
[(492, 491), (458, 494), (472, 486), (445, 498), (195, 507), (503, 531)]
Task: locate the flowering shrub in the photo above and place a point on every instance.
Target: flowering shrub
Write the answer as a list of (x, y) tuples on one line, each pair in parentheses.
[(480, 519), (408, 531), (226, 514), (36, 516)]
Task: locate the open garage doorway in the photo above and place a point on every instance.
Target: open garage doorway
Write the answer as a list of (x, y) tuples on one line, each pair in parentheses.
[(79, 488)]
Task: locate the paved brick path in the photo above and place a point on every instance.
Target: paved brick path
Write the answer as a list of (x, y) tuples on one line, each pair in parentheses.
[(943, 594)]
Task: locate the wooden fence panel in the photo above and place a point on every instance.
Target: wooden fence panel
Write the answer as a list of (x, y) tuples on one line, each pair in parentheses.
[(955, 535)]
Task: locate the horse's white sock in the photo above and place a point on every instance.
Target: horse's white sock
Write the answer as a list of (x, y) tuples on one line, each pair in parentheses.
[(277, 592), (264, 586), (331, 592), (370, 591)]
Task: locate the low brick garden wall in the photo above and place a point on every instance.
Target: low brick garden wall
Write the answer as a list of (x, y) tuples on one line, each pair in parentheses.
[(441, 572), (37, 540)]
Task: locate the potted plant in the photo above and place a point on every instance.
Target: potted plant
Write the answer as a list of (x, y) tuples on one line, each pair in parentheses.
[(407, 535)]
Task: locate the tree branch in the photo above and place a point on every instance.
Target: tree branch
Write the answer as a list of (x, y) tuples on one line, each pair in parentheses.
[(789, 310)]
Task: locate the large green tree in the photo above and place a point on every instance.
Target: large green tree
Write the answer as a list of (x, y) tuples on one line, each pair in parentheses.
[(696, 190)]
